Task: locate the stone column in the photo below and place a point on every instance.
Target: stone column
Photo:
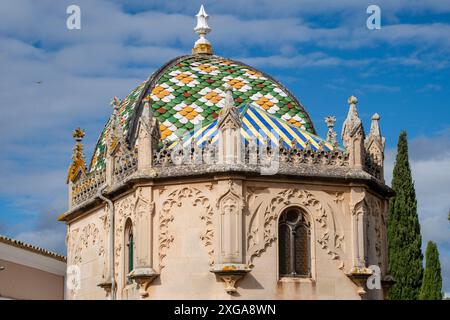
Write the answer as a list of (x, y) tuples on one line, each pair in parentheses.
[(144, 273), (230, 213), (358, 273), (230, 267)]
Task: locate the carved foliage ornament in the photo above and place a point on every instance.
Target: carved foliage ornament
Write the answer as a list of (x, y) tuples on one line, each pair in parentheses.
[(80, 241), (133, 207), (166, 217), (123, 210), (330, 239)]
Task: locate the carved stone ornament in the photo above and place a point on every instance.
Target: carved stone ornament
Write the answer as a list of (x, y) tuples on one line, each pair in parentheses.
[(330, 239), (143, 278), (124, 210), (80, 241), (230, 273), (166, 217), (230, 201), (107, 286), (359, 276)]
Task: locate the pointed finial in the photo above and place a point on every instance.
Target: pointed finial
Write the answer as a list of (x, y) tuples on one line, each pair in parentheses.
[(78, 165), (78, 134), (202, 45), (331, 135), (352, 100), (375, 126), (115, 103), (147, 113), (352, 122), (116, 132), (353, 112), (229, 110), (229, 101)]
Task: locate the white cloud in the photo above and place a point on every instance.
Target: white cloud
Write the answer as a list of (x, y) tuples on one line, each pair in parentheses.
[(315, 59), (286, 8)]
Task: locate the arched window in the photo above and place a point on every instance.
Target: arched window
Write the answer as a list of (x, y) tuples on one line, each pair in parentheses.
[(294, 244), (129, 245)]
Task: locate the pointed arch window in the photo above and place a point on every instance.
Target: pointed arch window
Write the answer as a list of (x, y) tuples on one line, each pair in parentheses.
[(294, 241)]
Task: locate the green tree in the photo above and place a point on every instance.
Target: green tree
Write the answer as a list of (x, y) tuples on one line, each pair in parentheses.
[(432, 278), (404, 238)]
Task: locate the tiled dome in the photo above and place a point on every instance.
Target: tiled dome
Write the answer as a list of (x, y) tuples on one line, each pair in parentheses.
[(189, 91)]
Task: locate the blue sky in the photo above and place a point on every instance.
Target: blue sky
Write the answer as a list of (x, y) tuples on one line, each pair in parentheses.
[(321, 50)]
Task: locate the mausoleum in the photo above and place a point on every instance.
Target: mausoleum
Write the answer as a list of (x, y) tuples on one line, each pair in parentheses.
[(209, 181)]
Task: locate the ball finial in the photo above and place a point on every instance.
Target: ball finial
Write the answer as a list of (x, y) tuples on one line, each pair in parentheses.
[(352, 100)]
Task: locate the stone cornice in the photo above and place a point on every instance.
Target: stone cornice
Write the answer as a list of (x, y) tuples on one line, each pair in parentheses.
[(301, 173)]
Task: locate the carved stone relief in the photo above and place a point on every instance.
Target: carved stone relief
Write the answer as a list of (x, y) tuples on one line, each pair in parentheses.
[(253, 235), (124, 209), (166, 217), (143, 209), (80, 241), (72, 245), (330, 239), (230, 205), (376, 213)]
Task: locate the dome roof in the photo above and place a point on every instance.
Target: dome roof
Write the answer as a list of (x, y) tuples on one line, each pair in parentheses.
[(189, 91)]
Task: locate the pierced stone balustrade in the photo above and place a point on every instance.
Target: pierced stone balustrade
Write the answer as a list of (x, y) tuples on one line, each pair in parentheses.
[(253, 155), (125, 165), (87, 187)]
